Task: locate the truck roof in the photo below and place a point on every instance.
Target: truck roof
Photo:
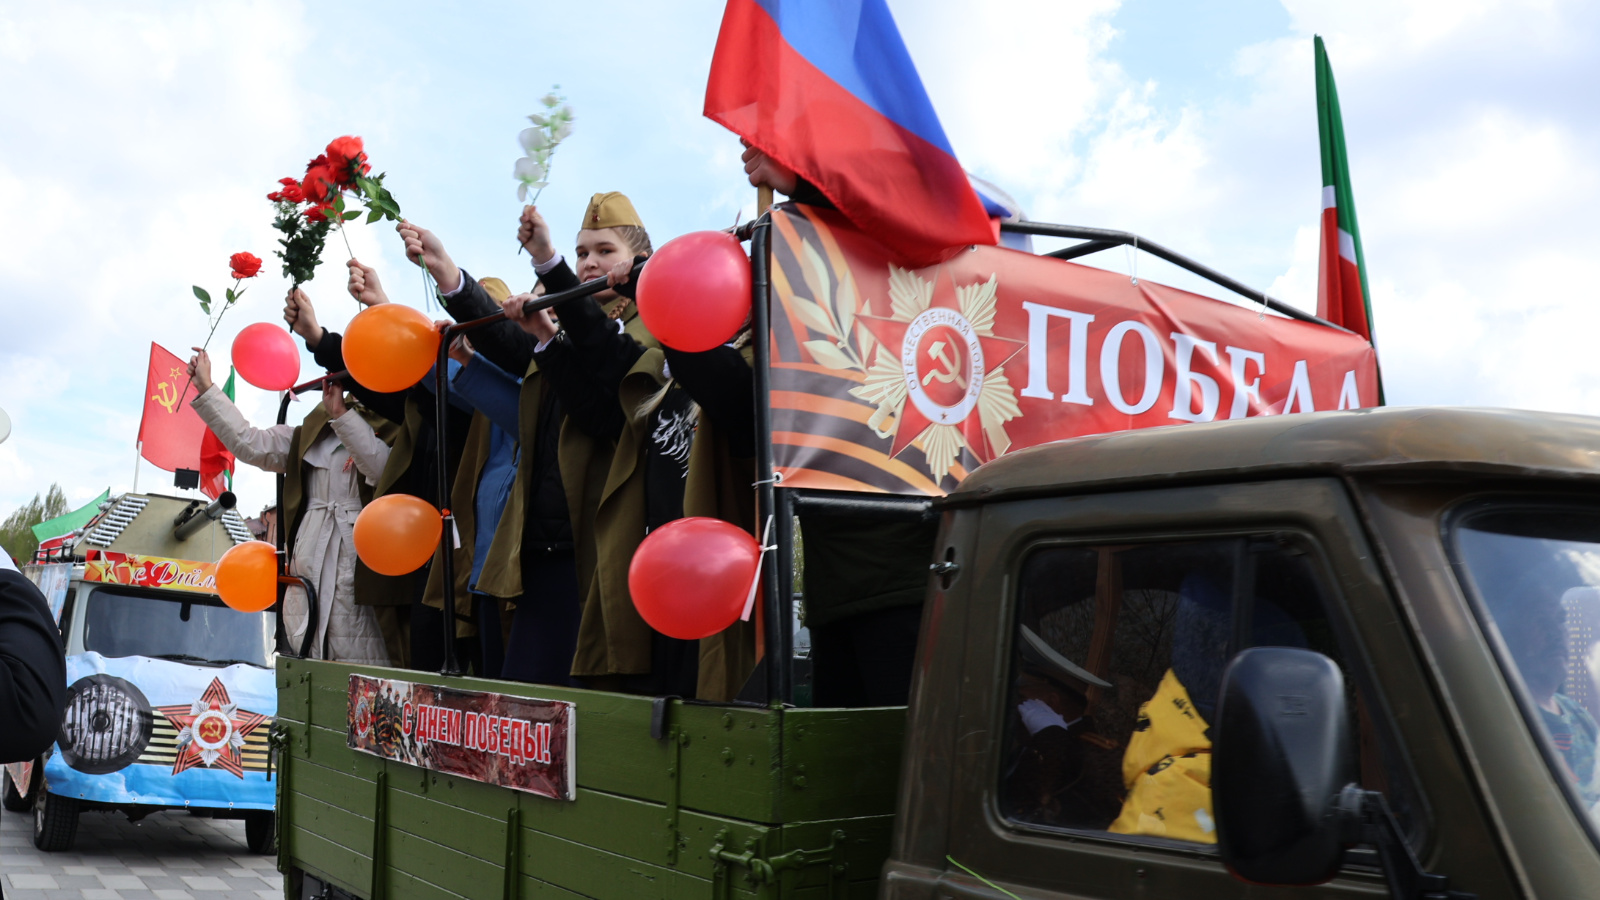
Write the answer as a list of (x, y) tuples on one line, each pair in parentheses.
[(1469, 441)]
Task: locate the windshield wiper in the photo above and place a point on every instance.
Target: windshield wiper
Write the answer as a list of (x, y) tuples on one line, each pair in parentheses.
[(206, 661)]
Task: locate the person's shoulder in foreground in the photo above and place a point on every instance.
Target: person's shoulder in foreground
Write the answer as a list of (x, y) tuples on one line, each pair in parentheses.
[(33, 671)]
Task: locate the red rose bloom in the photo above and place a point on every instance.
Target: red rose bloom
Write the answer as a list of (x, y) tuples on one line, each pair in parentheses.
[(289, 192), (319, 181), (244, 265), (319, 212), (347, 159)]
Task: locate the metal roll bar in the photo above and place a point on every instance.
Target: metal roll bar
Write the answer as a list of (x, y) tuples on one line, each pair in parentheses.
[(1097, 239)]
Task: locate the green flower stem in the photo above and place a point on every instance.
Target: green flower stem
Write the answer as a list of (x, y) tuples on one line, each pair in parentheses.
[(227, 305)]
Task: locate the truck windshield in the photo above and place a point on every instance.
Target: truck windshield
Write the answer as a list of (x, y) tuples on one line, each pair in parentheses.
[(1535, 570), (192, 628)]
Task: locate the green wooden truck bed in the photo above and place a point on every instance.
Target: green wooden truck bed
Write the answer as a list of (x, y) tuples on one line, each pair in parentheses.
[(730, 801)]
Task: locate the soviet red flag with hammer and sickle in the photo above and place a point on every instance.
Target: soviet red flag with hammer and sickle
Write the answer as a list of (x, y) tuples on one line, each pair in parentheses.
[(170, 430)]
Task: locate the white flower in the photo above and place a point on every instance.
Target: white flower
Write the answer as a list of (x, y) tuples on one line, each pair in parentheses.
[(537, 119), (528, 170), (550, 100), (533, 140), (562, 131)]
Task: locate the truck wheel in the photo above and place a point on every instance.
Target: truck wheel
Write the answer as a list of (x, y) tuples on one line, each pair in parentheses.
[(55, 822), (14, 801), (261, 832)]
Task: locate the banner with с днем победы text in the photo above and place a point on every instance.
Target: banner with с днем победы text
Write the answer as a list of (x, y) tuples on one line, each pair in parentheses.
[(520, 743)]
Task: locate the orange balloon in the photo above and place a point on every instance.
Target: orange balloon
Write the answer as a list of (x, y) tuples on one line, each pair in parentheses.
[(396, 534), (247, 576), (389, 347)]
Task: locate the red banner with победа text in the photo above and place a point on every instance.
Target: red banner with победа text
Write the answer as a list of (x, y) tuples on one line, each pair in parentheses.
[(903, 381)]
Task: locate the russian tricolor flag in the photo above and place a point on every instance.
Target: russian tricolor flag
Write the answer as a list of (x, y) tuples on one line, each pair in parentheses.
[(827, 88)]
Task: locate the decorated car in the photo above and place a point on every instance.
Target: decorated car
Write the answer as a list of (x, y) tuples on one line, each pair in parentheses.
[(170, 693)]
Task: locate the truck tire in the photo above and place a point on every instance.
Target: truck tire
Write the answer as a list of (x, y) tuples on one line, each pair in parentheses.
[(13, 800), (261, 832), (55, 822)]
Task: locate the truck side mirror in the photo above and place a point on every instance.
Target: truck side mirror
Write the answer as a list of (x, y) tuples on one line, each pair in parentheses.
[(1282, 754)]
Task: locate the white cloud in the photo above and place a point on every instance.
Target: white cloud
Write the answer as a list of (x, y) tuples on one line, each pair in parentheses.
[(1473, 161)]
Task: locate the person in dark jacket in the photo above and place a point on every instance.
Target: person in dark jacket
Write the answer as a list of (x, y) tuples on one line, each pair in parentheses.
[(532, 560), (33, 668)]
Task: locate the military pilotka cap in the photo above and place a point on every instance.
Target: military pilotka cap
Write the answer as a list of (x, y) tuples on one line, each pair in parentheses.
[(610, 210), (495, 288)]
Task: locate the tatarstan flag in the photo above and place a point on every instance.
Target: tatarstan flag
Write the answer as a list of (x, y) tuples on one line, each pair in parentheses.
[(1342, 295)]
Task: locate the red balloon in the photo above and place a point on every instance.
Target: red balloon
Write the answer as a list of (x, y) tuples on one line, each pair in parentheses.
[(694, 293), (266, 356), (690, 578)]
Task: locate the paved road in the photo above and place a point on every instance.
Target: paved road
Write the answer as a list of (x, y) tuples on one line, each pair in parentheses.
[(168, 856)]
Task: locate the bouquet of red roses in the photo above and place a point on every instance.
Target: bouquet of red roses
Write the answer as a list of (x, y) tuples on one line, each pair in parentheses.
[(309, 206)]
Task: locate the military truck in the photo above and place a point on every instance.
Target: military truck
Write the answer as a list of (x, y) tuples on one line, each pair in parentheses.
[(1308, 654), (170, 696)]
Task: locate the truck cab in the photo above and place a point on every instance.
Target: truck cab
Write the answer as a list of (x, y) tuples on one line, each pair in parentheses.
[(1082, 724), (170, 695)]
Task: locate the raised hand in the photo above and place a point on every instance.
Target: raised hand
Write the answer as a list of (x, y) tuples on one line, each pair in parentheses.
[(766, 171), (540, 324), (200, 370), (302, 318), (534, 235), (364, 285), (423, 246), (333, 398), (461, 349)]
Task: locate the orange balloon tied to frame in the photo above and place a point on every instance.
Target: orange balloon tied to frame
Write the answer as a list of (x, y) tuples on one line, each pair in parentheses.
[(265, 355), (247, 576), (691, 577), (694, 293), (397, 533), (389, 347)]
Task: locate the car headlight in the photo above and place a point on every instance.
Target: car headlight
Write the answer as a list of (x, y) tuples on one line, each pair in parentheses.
[(107, 724)]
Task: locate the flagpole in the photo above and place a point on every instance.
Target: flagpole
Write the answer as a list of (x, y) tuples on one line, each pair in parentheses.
[(138, 454)]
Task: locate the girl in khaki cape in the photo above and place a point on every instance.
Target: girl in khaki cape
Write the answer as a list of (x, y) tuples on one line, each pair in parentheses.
[(336, 450), (604, 467), (631, 432)]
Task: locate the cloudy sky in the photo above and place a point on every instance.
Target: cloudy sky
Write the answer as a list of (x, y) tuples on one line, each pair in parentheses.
[(141, 138)]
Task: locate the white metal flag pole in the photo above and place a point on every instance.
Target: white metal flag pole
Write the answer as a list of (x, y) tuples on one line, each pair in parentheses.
[(138, 454)]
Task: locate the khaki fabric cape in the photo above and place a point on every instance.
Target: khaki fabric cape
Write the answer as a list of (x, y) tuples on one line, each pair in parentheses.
[(721, 486), (373, 589), (463, 507), (605, 496), (613, 638)]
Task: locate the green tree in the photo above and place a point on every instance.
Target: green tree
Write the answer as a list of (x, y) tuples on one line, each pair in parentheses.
[(16, 533)]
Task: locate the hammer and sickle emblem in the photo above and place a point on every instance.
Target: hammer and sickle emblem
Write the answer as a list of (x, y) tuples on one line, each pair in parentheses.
[(939, 351), (166, 395)]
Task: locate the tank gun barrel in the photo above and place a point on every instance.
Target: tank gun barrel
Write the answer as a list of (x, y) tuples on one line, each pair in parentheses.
[(197, 517)]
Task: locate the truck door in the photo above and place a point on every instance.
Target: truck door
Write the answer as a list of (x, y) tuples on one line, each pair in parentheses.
[(1099, 627)]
